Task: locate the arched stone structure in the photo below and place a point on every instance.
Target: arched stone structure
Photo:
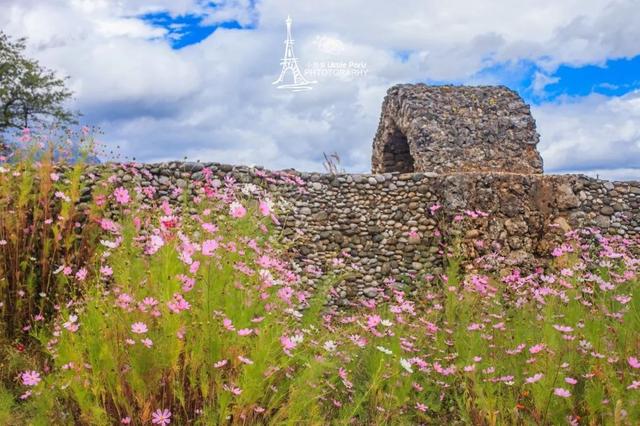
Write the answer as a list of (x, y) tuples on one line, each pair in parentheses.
[(448, 129)]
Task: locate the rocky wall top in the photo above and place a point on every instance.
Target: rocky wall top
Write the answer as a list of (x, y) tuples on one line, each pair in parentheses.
[(448, 129)]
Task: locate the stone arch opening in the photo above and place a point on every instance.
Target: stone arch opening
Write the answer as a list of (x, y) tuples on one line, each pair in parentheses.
[(396, 154)]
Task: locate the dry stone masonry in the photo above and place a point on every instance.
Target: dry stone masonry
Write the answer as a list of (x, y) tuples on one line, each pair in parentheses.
[(371, 220), (454, 168), (445, 129)]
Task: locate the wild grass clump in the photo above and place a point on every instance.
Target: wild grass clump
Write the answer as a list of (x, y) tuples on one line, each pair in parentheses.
[(45, 238), (190, 314)]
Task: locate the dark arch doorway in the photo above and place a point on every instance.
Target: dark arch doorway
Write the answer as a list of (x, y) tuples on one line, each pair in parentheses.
[(396, 153)]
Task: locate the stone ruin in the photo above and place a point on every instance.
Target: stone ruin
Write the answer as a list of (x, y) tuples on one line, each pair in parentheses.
[(466, 149), (451, 129)]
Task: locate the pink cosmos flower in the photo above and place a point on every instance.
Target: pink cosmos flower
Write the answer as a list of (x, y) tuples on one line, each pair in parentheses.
[(447, 371), (287, 344), (285, 293), (155, 243), (30, 378), (563, 328), (535, 378), (147, 342), (178, 304), (181, 332), (210, 227), (187, 282), (237, 210), (122, 195), (570, 380), (168, 222), (109, 225), (373, 320), (125, 420), (100, 200), (245, 331), (209, 247), (536, 348), (561, 392), (233, 389), (161, 417), (26, 135), (71, 324), (245, 360), (624, 299), (166, 208), (81, 275), (633, 362), (106, 271), (150, 301), (265, 207), (139, 328), (634, 385), (228, 324), (359, 341), (421, 407), (220, 363)]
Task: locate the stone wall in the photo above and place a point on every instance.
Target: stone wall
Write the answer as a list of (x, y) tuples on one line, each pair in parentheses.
[(449, 129), (455, 169), (384, 224)]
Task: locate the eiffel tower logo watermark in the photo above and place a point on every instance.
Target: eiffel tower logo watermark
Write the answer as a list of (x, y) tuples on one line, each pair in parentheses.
[(297, 82)]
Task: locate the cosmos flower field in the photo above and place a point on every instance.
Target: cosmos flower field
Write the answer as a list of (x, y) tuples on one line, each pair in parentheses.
[(191, 313)]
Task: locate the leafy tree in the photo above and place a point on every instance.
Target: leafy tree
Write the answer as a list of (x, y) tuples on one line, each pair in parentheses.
[(29, 93)]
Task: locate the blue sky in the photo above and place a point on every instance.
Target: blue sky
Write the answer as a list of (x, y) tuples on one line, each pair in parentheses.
[(188, 29), (615, 77), (177, 78)]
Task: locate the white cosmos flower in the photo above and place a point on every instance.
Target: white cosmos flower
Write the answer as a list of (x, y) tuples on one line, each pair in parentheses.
[(330, 345), (249, 189), (406, 364), (384, 350)]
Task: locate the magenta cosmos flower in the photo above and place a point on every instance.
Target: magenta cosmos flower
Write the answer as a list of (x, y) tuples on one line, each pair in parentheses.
[(161, 417)]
